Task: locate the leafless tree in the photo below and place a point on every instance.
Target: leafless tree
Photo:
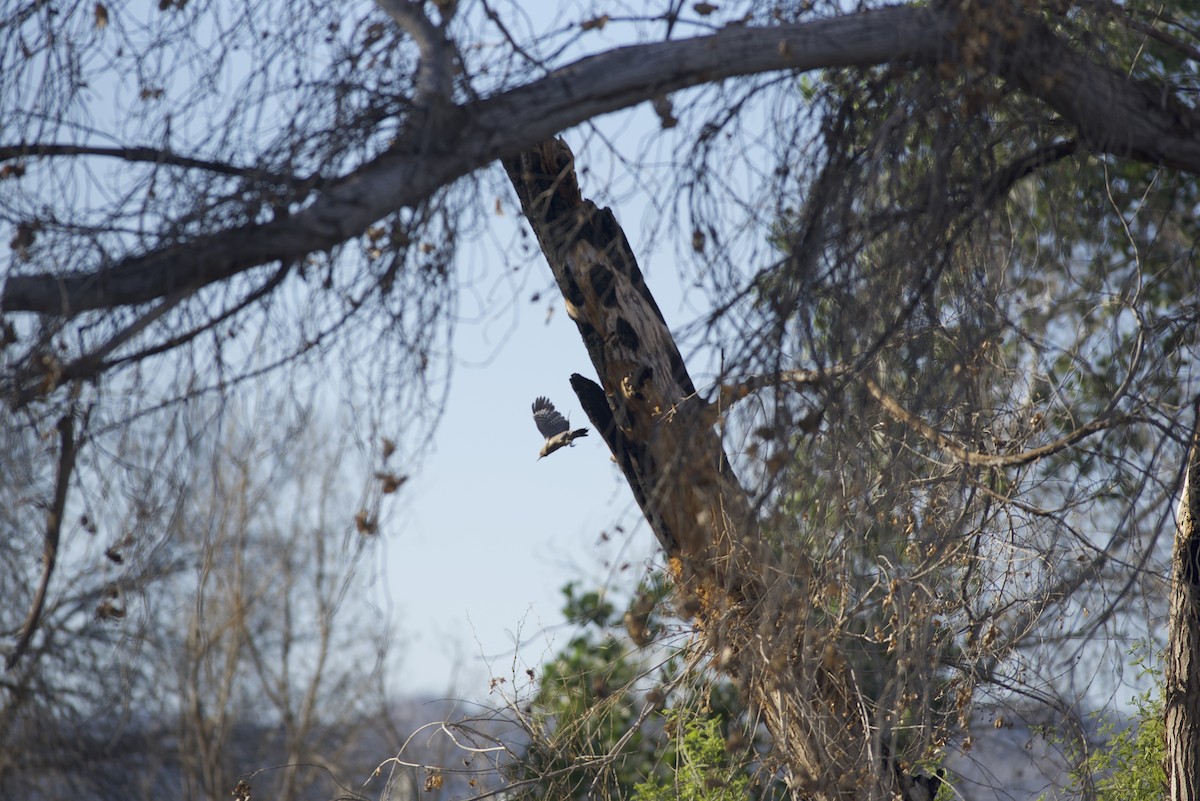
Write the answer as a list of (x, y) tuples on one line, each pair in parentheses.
[(270, 660), (67, 617), (216, 651)]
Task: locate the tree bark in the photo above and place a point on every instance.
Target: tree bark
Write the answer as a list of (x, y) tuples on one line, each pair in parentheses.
[(751, 609), (1181, 699)]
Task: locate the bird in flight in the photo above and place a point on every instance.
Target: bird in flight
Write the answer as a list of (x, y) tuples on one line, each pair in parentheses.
[(554, 427)]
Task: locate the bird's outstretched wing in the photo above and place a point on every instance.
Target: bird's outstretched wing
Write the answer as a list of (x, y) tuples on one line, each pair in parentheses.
[(548, 421)]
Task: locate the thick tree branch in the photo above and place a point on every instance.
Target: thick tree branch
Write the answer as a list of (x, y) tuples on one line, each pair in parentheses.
[(1113, 114), (33, 381), (480, 133), (435, 74)]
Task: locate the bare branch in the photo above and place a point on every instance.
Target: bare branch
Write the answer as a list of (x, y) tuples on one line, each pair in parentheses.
[(95, 362), (1125, 17), (897, 412), (732, 393), (152, 155), (66, 465)]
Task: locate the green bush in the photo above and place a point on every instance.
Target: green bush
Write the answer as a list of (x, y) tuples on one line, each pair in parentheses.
[(1129, 767), (704, 770)]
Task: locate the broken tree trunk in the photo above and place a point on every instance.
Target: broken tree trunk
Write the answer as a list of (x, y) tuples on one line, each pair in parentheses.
[(752, 611)]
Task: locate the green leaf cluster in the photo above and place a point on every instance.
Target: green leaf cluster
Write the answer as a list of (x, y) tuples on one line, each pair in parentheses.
[(1129, 767), (705, 768), (596, 725)]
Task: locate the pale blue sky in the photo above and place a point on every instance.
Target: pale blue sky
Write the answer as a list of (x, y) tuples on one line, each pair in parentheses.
[(487, 534)]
